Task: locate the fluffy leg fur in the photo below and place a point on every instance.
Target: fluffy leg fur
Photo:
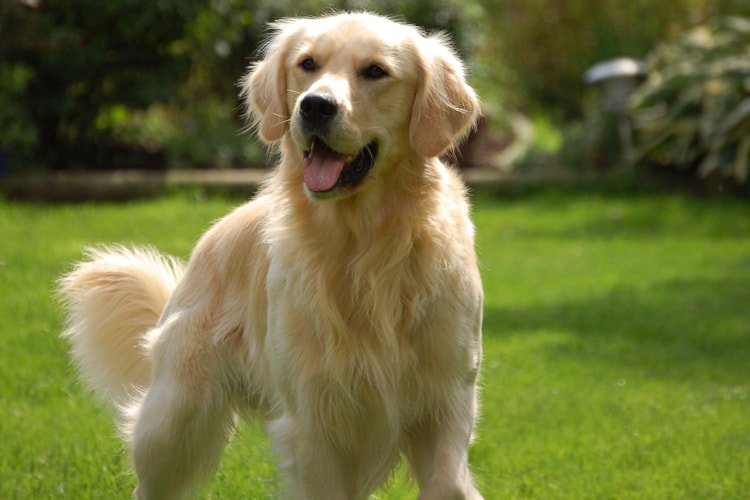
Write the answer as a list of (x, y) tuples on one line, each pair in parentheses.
[(178, 431), (113, 299), (177, 413), (438, 457)]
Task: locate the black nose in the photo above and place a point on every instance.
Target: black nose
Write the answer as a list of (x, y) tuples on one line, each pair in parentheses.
[(318, 109)]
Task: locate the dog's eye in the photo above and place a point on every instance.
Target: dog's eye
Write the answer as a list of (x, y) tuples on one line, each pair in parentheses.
[(374, 72), (308, 64)]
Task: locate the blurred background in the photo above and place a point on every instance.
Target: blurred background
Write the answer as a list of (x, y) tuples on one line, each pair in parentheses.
[(87, 85)]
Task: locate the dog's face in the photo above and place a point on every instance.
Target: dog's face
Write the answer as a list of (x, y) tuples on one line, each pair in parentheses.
[(349, 92), (355, 93)]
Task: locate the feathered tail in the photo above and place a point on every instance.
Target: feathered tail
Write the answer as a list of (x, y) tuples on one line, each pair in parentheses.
[(113, 298)]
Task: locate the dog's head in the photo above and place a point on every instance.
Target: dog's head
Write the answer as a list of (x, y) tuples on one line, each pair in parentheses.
[(354, 91)]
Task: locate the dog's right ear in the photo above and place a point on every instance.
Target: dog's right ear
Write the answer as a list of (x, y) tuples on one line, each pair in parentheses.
[(264, 85)]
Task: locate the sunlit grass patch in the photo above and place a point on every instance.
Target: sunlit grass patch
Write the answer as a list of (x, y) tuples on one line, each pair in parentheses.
[(617, 334)]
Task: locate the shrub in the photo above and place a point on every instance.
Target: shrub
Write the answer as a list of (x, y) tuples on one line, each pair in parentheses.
[(76, 58), (201, 125), (536, 51), (78, 78), (693, 111), (18, 130)]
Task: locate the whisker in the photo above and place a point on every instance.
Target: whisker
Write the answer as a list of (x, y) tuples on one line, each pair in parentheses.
[(286, 120)]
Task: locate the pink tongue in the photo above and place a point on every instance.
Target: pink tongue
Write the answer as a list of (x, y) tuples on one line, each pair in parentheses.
[(322, 168)]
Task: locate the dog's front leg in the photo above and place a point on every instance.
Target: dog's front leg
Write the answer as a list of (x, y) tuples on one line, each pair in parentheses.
[(313, 468), (438, 452), (185, 418)]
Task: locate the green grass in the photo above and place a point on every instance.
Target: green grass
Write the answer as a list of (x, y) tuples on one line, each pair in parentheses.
[(617, 350)]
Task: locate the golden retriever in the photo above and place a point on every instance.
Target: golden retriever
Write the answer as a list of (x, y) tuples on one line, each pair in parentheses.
[(343, 303)]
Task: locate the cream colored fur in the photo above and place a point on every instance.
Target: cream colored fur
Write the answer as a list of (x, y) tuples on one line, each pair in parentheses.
[(352, 324)]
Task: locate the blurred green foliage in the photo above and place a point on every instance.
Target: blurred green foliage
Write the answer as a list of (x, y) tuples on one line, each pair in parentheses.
[(539, 49), (536, 52), (693, 112), (92, 84), (62, 61), (124, 83)]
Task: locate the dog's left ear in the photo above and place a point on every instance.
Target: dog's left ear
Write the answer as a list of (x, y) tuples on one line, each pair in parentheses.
[(264, 86), (445, 106)]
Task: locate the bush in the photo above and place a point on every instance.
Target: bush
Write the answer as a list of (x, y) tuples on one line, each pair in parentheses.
[(75, 96), (693, 111), (536, 51), (75, 58), (18, 130), (201, 125)]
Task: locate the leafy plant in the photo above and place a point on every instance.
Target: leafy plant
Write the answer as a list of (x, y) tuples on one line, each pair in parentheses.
[(536, 51), (78, 57), (78, 77), (693, 111), (18, 130)]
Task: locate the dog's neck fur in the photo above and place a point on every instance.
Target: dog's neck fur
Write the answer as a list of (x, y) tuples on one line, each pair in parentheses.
[(371, 235), (392, 250)]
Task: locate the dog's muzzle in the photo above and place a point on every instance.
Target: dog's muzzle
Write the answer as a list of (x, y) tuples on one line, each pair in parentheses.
[(328, 172)]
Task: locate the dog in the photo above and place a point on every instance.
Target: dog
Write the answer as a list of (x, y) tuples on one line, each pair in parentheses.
[(342, 304)]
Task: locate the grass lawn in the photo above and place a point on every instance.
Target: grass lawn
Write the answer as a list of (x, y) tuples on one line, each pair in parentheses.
[(617, 350)]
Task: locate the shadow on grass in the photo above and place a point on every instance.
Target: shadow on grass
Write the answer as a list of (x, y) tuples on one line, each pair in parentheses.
[(635, 216), (686, 329)]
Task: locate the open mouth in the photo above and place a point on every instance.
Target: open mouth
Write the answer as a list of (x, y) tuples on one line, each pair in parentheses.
[(327, 170)]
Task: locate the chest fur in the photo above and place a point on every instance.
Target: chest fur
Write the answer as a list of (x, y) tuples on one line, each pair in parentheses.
[(365, 338)]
